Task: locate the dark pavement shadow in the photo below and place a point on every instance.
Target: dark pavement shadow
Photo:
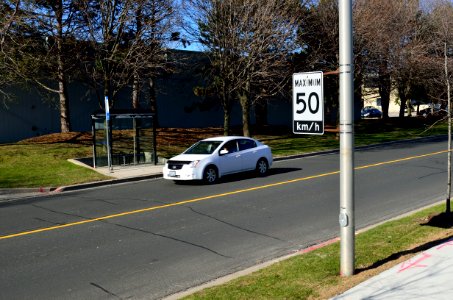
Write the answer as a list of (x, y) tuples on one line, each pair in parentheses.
[(239, 176), (252, 174)]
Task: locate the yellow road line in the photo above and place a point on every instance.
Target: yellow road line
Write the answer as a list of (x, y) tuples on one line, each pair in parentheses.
[(209, 197), (400, 160)]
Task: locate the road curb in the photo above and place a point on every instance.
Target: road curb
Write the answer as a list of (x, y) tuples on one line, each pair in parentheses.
[(24, 190), (106, 182), (8, 196)]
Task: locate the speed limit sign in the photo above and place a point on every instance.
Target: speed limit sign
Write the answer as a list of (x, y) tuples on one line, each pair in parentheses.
[(308, 103)]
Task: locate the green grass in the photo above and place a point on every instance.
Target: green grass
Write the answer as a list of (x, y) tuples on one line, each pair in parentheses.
[(46, 165), (315, 275), (367, 132), (43, 165)]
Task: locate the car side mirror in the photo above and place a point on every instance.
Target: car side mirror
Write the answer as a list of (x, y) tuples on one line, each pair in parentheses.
[(223, 152)]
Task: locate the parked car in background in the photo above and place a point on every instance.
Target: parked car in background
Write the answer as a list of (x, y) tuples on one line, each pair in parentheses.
[(428, 112), (371, 112), (424, 112), (212, 158)]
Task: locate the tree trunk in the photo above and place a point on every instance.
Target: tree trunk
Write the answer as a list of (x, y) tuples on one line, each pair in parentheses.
[(403, 99), (65, 122), (226, 104), (245, 104), (135, 92), (261, 113), (384, 90), (358, 92), (244, 99), (153, 100), (136, 80), (226, 123)]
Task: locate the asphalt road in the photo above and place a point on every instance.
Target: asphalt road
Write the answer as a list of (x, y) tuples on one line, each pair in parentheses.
[(149, 239)]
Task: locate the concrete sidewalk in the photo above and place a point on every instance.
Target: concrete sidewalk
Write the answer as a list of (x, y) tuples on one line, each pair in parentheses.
[(125, 171), (131, 171), (427, 275)]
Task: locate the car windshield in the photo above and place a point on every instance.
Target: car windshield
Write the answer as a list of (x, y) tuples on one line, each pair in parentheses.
[(203, 147)]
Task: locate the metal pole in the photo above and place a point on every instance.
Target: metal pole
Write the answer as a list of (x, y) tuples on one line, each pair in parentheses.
[(155, 139), (346, 218), (447, 205), (93, 132), (107, 124)]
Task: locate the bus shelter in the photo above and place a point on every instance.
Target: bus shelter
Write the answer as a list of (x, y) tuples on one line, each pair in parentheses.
[(132, 138)]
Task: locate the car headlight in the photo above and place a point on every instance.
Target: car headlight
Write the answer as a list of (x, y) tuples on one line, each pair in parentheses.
[(194, 164)]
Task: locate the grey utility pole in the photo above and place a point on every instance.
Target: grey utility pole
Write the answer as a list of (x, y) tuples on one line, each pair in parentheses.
[(447, 80), (346, 218)]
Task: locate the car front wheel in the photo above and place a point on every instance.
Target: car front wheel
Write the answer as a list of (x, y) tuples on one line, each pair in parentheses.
[(210, 174), (262, 167)]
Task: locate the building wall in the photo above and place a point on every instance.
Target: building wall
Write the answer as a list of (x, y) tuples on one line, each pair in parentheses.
[(33, 113), (28, 115)]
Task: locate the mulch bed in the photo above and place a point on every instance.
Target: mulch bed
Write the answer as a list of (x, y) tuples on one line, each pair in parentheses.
[(164, 136)]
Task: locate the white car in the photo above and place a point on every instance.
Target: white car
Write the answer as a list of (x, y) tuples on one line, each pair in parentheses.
[(212, 158)]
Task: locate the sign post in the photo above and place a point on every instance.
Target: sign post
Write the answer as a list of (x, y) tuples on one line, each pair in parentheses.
[(308, 103), (107, 124)]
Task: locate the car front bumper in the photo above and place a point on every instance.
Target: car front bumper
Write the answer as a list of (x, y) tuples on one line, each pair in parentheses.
[(185, 173)]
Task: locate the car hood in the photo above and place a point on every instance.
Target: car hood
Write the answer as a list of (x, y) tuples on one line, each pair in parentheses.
[(189, 157)]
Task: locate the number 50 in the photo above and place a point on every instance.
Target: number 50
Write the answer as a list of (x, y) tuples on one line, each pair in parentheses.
[(313, 104)]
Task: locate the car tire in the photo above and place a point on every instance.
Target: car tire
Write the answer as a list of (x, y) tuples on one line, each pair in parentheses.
[(262, 167), (210, 174)]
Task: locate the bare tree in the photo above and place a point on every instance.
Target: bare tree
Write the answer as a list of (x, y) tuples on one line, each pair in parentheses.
[(248, 42), (35, 46), (9, 14), (127, 42), (318, 39), (441, 17), (104, 29), (155, 26), (215, 30), (388, 30)]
